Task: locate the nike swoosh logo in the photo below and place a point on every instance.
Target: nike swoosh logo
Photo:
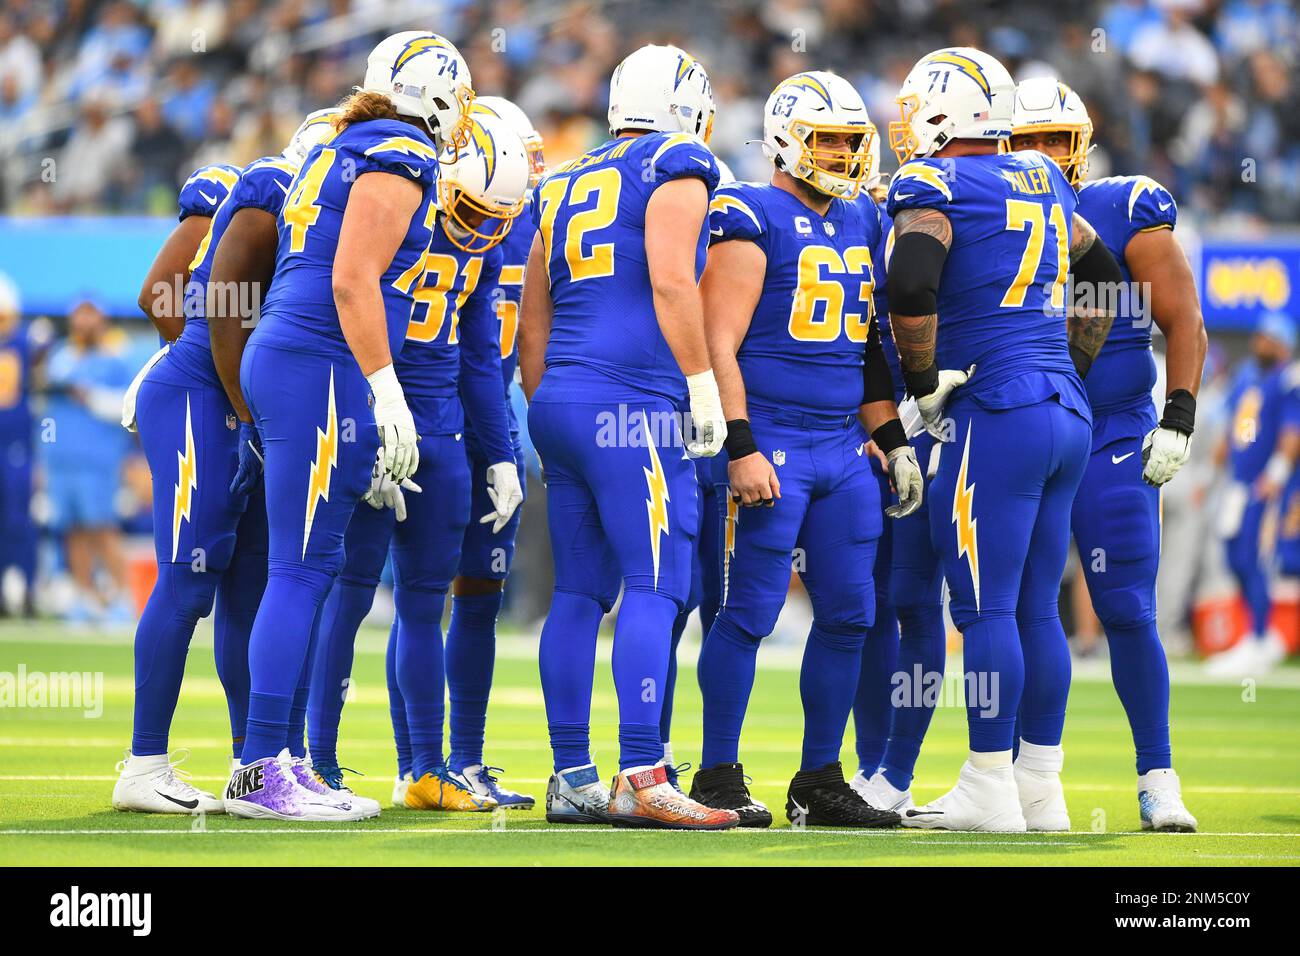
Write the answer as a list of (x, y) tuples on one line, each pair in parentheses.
[(187, 804), (412, 170), (925, 813), (803, 810), (211, 199), (716, 230), (283, 188), (1164, 205), (702, 162), (904, 195), (1116, 459), (860, 449)]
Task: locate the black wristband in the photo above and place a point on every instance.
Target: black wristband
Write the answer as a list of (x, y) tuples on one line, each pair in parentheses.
[(1180, 412), (740, 440), (920, 384), (889, 436), (1081, 359)]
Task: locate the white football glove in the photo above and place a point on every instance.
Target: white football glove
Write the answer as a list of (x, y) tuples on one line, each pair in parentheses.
[(708, 422), (399, 452), (1164, 451), (905, 473), (931, 406), (503, 488), (386, 493)]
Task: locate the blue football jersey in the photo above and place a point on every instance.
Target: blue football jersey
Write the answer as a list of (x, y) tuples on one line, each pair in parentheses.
[(451, 362), (299, 310), (514, 256), (806, 340), (1002, 294), (1119, 207), (591, 216), (263, 184), (1258, 400), (206, 189)]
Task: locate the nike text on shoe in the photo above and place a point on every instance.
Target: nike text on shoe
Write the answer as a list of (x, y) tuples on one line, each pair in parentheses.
[(576, 795), (441, 790), (984, 799), (822, 798), (879, 792), (643, 797), (481, 780), (1160, 801), (723, 787), (268, 789), (153, 784)]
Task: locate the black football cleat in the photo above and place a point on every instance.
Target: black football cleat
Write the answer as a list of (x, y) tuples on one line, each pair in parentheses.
[(822, 798), (723, 787)]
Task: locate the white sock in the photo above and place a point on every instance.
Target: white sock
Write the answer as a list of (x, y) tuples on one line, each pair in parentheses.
[(990, 760)]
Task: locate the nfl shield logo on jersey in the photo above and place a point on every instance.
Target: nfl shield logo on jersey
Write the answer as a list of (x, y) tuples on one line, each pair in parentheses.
[(232, 422), (778, 457)]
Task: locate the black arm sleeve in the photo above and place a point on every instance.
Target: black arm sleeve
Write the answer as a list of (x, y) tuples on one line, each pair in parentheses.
[(877, 382), (1095, 272), (914, 271)]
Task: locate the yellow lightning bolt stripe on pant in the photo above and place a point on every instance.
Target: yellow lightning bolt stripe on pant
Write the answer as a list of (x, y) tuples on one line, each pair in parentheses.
[(657, 504), (327, 457), (187, 481), (963, 516)]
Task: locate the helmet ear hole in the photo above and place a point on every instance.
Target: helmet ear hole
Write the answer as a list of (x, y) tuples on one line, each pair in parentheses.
[(936, 120)]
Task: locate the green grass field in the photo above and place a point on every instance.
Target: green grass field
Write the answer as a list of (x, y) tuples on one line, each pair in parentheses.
[(1239, 760)]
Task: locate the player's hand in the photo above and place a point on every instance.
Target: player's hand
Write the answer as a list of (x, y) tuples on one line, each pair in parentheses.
[(874, 451), (1164, 451), (251, 460), (503, 488), (399, 450), (753, 481), (708, 423), (931, 406), (386, 493), (909, 485)]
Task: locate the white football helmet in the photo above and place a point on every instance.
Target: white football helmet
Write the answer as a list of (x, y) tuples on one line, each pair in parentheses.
[(487, 180), (314, 128), (1045, 105), (521, 124), (955, 93), (809, 105), (661, 88), (424, 76)]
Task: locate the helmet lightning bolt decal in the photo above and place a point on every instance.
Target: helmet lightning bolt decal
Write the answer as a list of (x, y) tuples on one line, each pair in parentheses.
[(963, 516), (327, 457), (656, 505), (187, 481)]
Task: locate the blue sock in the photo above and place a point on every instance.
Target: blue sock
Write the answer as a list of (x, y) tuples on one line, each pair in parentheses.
[(873, 710), (396, 705), (162, 640), (277, 651), (922, 650), (1140, 673), (238, 595), (994, 681), (566, 657), (344, 610), (726, 675), (828, 681), (1047, 680), (670, 684), (471, 653), (643, 639), (296, 738), (420, 674)]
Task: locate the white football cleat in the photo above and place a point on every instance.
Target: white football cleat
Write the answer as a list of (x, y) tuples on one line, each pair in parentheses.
[(1249, 657), (154, 785), (1160, 802), (880, 793), (268, 789), (983, 800), (401, 784), (1038, 779)]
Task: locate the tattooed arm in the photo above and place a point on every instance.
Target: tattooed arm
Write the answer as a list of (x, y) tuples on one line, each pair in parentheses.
[(1096, 279), (922, 238)]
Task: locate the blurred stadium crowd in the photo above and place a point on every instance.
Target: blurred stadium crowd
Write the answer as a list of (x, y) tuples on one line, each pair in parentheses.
[(108, 105), (128, 97)]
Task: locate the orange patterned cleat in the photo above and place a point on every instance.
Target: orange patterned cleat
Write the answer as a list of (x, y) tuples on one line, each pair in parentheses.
[(643, 797)]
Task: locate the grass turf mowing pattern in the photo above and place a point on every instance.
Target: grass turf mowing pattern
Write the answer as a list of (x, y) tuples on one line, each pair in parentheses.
[(1238, 760)]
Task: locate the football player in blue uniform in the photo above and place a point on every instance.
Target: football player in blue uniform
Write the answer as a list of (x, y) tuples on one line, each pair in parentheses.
[(611, 340), (788, 299), (450, 372), (1256, 453), (319, 379), (1116, 518), (486, 553), (209, 538), (983, 246)]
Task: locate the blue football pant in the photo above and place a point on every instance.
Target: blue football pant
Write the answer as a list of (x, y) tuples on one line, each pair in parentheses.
[(1000, 517), (1246, 566)]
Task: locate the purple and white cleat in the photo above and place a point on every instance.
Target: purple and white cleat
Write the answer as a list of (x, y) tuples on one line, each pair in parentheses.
[(309, 779), (268, 789)]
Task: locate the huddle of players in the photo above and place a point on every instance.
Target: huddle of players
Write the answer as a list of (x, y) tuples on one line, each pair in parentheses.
[(651, 292)]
